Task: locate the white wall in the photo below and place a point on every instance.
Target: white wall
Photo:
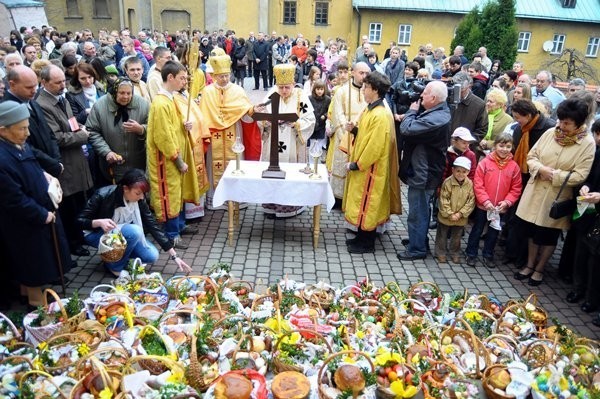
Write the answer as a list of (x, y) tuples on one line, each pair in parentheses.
[(21, 16)]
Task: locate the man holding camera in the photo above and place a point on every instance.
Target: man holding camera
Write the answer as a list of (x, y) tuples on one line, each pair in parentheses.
[(425, 129)]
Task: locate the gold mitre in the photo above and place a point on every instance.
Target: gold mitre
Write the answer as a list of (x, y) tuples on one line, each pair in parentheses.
[(219, 61), (284, 74)]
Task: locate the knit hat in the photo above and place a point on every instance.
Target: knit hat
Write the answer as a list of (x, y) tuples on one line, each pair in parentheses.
[(463, 133), (12, 112), (463, 162), (111, 69)]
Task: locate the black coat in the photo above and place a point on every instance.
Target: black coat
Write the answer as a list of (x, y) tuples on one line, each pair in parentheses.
[(42, 140), (260, 50), (321, 106), (102, 205), (27, 250)]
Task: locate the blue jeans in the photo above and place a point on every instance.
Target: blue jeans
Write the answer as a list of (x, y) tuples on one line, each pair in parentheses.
[(134, 235), (418, 220), (174, 226), (489, 244)]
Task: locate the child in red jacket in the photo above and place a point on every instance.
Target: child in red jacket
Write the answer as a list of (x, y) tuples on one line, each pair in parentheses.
[(497, 187)]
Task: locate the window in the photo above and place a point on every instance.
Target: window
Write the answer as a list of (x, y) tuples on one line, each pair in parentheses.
[(321, 12), (592, 47), (524, 39), (72, 8), (569, 3), (558, 42), (289, 12), (101, 9), (404, 32), (375, 32)]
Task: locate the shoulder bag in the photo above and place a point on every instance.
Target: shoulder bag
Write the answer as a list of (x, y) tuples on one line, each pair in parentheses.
[(560, 209)]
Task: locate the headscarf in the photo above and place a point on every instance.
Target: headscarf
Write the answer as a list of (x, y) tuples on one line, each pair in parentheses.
[(122, 114)]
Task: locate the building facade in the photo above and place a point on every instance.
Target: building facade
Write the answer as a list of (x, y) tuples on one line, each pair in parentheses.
[(17, 13)]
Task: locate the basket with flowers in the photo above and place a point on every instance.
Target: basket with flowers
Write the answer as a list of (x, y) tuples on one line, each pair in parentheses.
[(347, 374), (395, 379), (36, 384), (112, 246), (428, 294), (299, 350)]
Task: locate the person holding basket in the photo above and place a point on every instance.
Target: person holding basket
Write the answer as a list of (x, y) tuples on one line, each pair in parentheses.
[(122, 206)]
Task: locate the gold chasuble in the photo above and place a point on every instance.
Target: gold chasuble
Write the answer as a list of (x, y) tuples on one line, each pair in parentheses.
[(222, 109)]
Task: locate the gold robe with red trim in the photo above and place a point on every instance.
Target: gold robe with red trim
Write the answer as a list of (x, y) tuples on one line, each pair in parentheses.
[(369, 194), (166, 140)]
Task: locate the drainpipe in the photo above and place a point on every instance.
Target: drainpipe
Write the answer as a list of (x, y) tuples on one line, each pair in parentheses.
[(121, 15), (359, 23), (12, 17)]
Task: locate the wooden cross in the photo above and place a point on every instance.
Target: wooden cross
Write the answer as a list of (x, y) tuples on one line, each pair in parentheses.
[(274, 171)]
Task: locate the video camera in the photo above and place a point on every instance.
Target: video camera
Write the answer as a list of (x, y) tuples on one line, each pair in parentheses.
[(416, 87)]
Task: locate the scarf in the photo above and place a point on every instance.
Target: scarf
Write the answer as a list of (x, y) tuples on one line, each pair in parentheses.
[(563, 139), (129, 214), (499, 161), (122, 114), (523, 148), (90, 94), (491, 116)]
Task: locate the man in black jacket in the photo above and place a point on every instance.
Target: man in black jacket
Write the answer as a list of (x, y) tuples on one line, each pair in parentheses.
[(260, 54), (23, 86), (425, 129)]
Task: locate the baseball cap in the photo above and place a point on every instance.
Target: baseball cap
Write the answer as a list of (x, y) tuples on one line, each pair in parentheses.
[(463, 162), (463, 133)]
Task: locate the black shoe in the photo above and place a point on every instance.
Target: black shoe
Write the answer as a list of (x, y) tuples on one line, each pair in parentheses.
[(356, 248), (574, 297), (433, 225), (189, 230), (471, 261), (351, 240), (588, 307), (405, 255), (350, 231), (489, 263), (519, 276), (596, 321), (80, 251), (534, 283), (405, 242), (256, 88)]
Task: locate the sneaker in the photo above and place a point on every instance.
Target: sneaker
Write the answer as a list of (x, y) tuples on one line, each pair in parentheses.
[(456, 260), (489, 263), (179, 244), (442, 259), (189, 230), (471, 260)]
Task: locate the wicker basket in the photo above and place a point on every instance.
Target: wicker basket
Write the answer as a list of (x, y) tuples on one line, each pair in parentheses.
[(382, 392), (502, 346), (36, 335), (238, 285), (321, 377), (111, 379), (153, 366), (15, 331), (193, 373), (474, 343), (436, 299), (484, 314), (539, 353), (538, 316), (279, 366), (113, 357), (58, 341), (487, 386), (114, 253), (40, 373), (318, 295)]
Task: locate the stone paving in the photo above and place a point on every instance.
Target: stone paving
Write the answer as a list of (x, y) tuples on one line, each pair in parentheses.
[(265, 251)]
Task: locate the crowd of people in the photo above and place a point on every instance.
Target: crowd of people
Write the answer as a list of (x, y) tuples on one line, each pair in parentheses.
[(120, 117)]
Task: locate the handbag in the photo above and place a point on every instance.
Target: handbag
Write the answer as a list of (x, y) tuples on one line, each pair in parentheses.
[(243, 61), (592, 237), (560, 209)]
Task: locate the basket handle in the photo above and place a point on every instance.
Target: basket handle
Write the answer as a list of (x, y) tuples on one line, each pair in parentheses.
[(12, 326), (44, 374), (421, 304), (58, 301), (170, 363)]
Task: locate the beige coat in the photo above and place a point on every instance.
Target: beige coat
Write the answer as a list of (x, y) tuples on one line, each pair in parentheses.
[(456, 197), (539, 194)]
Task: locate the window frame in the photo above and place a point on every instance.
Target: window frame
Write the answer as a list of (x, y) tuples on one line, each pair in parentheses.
[(594, 46), (558, 45), (295, 20), (526, 39), (322, 3), (405, 43), (95, 9), (77, 14), (373, 31)]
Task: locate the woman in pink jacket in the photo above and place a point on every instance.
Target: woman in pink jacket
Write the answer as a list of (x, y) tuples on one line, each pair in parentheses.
[(497, 187)]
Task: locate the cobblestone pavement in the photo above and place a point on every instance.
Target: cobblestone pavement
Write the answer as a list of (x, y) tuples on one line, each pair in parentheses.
[(266, 250)]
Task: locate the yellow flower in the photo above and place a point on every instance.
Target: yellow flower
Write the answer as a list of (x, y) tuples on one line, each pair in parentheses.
[(348, 359), (83, 349), (37, 364), (106, 393), (360, 334), (175, 377), (119, 289), (563, 384), (401, 391), (42, 346), (291, 339), (473, 316), (415, 359), (275, 325), (385, 358), (341, 329)]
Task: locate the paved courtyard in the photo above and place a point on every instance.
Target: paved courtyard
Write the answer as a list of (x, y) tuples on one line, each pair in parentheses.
[(265, 251)]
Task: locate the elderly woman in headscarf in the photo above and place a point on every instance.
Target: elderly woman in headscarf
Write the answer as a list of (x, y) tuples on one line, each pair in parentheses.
[(117, 125)]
